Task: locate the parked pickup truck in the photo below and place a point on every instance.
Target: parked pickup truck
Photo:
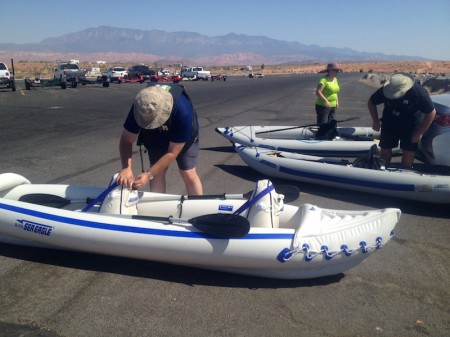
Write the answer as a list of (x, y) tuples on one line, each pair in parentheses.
[(68, 72), (195, 73)]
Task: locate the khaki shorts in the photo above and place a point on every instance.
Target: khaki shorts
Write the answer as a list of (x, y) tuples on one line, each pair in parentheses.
[(187, 161)]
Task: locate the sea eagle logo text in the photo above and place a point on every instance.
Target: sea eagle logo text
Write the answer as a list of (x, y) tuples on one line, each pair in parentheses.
[(34, 227)]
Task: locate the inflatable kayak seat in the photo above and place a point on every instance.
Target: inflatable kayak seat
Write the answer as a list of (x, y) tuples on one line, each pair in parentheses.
[(371, 160), (120, 201), (265, 206)]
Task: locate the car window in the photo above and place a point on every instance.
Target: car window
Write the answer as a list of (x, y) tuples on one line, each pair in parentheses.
[(68, 66), (119, 69), (2, 66)]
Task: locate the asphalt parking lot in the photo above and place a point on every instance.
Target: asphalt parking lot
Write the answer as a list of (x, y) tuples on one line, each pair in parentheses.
[(50, 135)]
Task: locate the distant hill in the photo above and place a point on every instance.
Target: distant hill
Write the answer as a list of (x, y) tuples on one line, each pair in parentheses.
[(124, 44)]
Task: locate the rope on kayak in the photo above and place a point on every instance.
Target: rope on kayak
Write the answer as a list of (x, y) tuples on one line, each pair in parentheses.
[(230, 130), (287, 254)]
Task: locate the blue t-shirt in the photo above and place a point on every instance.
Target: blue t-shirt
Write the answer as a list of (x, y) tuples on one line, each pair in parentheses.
[(180, 130)]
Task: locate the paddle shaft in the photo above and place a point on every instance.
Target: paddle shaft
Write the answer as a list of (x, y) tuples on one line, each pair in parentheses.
[(307, 125), (218, 224)]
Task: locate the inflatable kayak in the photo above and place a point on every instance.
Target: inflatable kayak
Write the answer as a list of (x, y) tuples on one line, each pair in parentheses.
[(260, 236), (392, 181), (351, 141)]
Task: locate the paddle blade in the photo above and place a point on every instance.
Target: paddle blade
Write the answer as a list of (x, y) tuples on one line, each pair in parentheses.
[(222, 225), (290, 192)]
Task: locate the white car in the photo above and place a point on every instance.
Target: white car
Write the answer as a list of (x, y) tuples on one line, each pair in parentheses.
[(116, 73), (433, 148), (6, 77)]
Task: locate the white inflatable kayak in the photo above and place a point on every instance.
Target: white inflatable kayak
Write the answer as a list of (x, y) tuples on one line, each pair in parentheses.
[(261, 237), (395, 182), (352, 141)]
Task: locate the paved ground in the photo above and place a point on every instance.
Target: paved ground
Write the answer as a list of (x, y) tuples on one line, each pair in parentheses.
[(51, 135)]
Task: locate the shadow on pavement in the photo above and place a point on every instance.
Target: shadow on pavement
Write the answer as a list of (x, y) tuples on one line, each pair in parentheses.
[(224, 149), (153, 270)]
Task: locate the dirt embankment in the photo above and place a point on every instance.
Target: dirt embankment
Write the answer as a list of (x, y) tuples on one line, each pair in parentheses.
[(435, 67)]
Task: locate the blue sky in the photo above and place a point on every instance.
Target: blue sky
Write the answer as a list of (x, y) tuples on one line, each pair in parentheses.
[(398, 27)]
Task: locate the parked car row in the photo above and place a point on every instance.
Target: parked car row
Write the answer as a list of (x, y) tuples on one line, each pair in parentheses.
[(70, 72), (140, 73)]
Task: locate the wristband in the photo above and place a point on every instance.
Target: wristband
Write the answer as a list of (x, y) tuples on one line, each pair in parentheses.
[(149, 175)]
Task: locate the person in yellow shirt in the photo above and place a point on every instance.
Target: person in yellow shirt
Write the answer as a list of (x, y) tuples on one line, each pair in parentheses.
[(327, 91)]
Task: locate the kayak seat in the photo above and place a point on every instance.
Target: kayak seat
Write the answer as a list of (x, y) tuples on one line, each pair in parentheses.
[(265, 206), (120, 201), (371, 160)]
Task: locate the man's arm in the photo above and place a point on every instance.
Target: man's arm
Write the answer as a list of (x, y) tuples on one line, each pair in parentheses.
[(426, 122), (374, 114), (127, 140)]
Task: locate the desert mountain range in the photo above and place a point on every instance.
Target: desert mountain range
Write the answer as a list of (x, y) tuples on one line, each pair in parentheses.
[(113, 44)]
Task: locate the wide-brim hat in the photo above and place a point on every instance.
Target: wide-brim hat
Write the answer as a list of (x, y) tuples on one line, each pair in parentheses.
[(331, 66), (152, 107), (397, 86)]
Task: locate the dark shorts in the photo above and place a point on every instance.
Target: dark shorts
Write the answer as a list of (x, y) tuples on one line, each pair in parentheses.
[(391, 135), (324, 115), (186, 161)]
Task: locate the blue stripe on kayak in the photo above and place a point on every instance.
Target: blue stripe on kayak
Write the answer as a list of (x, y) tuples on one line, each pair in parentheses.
[(327, 153), (133, 229), (347, 153), (349, 181)]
